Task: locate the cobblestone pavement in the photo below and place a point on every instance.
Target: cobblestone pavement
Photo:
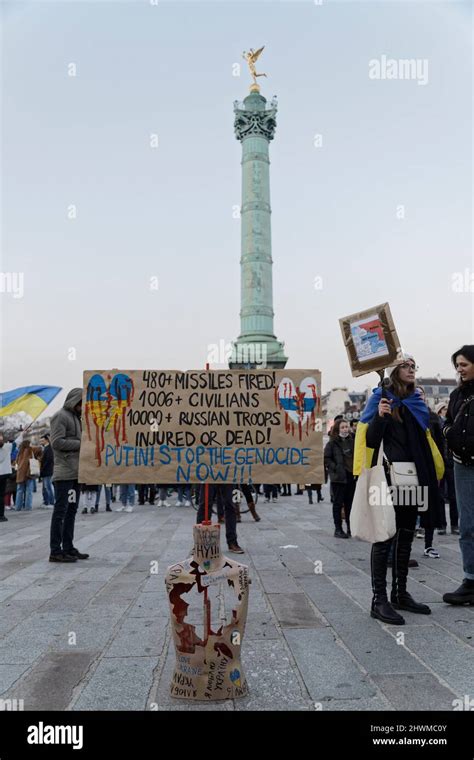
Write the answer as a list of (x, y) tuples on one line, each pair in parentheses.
[(95, 634)]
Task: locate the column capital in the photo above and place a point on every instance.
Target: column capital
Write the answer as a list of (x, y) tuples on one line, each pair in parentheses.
[(254, 117)]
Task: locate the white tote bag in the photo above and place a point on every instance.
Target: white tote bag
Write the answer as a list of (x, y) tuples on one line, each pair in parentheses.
[(34, 468), (372, 514)]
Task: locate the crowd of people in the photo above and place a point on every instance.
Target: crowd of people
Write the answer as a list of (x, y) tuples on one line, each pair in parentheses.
[(440, 444)]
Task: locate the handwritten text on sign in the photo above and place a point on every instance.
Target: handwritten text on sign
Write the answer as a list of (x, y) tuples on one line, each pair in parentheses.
[(143, 426)]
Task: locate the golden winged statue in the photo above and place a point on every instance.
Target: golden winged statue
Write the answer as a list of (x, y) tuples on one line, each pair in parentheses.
[(251, 57)]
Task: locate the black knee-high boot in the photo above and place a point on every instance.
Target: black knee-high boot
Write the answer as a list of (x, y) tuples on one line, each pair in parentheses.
[(381, 608), (400, 597)]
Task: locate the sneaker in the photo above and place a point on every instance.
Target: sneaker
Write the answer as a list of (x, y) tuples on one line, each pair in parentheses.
[(442, 532), (179, 503), (128, 509), (274, 500), (166, 504), (430, 552), (77, 554), (235, 549), (267, 501), (62, 558), (420, 533), (120, 509), (455, 531), (463, 595), (188, 503)]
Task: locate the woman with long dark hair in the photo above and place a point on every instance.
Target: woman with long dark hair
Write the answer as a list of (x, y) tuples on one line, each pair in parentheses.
[(398, 417), (339, 461), (459, 433)]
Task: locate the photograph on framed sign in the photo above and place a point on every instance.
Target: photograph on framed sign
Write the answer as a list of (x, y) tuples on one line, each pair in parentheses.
[(370, 339)]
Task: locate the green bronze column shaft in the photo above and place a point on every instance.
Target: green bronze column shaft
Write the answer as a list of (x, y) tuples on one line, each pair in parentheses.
[(254, 127)]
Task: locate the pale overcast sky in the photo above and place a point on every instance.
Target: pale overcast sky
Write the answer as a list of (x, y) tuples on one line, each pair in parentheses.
[(167, 69)]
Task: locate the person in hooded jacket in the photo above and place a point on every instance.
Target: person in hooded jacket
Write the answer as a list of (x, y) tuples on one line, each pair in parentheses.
[(66, 442)]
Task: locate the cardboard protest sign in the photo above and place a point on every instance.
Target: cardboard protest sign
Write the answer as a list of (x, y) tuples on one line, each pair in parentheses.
[(370, 339), (230, 426)]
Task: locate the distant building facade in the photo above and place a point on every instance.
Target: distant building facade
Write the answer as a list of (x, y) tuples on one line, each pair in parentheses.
[(437, 389), (341, 401)]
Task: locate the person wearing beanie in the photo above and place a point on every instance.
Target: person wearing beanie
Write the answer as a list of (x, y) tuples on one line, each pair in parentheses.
[(397, 416)]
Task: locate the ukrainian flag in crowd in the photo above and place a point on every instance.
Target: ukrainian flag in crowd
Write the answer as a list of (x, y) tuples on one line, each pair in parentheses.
[(32, 399)]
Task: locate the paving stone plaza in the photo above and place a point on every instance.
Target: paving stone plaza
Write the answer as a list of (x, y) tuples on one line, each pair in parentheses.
[(95, 635)]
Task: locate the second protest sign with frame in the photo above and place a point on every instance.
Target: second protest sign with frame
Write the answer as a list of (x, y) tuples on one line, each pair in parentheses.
[(370, 339)]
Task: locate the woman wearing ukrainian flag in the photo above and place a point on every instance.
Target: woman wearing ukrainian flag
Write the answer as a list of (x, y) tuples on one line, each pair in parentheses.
[(397, 415)]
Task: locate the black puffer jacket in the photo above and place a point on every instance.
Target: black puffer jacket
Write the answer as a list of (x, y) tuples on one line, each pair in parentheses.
[(47, 462), (334, 458), (459, 430)]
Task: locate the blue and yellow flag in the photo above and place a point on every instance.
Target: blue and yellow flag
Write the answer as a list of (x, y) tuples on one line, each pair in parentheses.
[(363, 454), (32, 399)]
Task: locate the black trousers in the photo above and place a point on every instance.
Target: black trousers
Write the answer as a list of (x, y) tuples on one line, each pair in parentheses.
[(343, 497), (270, 490), (3, 484), (146, 492), (451, 494), (64, 516), (224, 492), (247, 493)]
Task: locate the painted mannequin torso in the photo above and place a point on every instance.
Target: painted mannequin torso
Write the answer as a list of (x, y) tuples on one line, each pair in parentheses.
[(207, 668)]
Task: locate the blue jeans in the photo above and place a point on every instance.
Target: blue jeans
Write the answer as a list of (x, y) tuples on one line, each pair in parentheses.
[(48, 490), (24, 495), (464, 481), (108, 496), (127, 493), (187, 493)]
